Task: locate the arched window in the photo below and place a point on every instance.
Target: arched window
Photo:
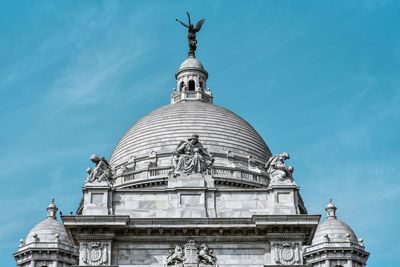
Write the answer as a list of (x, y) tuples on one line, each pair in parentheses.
[(181, 85), (191, 85)]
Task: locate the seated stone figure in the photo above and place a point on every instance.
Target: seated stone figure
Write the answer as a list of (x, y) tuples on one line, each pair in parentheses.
[(277, 169), (102, 171), (191, 157)]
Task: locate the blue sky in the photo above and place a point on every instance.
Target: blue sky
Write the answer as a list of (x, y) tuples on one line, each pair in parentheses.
[(319, 79)]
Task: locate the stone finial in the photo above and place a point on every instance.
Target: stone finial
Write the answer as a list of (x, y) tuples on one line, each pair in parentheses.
[(361, 242), (21, 243), (330, 210), (52, 210)]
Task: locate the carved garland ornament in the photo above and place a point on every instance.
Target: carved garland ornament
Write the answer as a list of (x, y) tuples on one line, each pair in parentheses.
[(95, 253)]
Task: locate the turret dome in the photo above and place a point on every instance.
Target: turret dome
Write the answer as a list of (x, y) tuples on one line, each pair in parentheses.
[(191, 63), (49, 230), (332, 229)]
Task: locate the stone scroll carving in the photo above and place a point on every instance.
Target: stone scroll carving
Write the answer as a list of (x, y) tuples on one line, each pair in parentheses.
[(95, 253), (278, 171), (102, 171), (191, 255), (191, 157), (286, 253)]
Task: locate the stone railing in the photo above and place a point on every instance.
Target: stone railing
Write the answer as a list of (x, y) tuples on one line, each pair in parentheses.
[(49, 245), (235, 175), (331, 244), (240, 174), (205, 96), (145, 174)]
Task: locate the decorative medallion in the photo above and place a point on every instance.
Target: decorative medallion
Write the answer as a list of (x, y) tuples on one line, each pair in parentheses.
[(286, 253), (95, 253)]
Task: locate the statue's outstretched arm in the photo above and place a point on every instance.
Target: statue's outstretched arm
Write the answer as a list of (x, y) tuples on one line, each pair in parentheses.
[(183, 23)]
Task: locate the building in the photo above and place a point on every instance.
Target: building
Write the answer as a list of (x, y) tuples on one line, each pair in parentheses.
[(191, 184)]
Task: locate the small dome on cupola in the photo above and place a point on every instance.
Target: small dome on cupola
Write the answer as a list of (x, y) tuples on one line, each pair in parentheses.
[(49, 230), (45, 242), (191, 80), (333, 229), (335, 244), (191, 64)]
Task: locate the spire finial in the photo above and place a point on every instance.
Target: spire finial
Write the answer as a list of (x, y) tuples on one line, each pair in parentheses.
[(52, 210), (330, 210), (192, 30)]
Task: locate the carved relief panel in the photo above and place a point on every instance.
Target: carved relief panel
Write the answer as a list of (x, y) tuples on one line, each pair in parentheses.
[(95, 253), (191, 255), (286, 253)]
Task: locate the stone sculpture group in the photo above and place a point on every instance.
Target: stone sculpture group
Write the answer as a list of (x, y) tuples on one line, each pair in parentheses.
[(102, 171), (191, 157), (191, 254), (277, 170)]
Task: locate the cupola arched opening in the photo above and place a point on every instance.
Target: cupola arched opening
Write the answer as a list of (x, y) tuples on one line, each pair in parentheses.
[(191, 85), (181, 85)]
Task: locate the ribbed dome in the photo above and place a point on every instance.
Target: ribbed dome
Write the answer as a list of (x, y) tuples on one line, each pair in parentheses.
[(336, 230), (191, 63), (219, 130), (46, 231)]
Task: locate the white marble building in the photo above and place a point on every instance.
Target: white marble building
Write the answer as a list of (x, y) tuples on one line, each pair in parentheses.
[(191, 184)]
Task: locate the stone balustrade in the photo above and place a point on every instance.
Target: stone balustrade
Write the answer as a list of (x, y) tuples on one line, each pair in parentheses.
[(233, 176)]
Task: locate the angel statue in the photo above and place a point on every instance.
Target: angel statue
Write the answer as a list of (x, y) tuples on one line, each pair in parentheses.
[(192, 30)]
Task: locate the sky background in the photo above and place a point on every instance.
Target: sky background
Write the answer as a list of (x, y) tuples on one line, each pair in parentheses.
[(319, 79)]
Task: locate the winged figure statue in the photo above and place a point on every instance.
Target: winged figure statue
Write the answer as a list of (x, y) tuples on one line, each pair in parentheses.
[(192, 30)]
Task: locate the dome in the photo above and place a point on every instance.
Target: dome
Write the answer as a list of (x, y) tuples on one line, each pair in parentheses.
[(220, 131), (335, 230), (332, 229), (50, 230), (191, 63), (47, 230)]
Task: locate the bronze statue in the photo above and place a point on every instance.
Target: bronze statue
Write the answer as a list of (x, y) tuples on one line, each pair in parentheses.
[(192, 30)]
